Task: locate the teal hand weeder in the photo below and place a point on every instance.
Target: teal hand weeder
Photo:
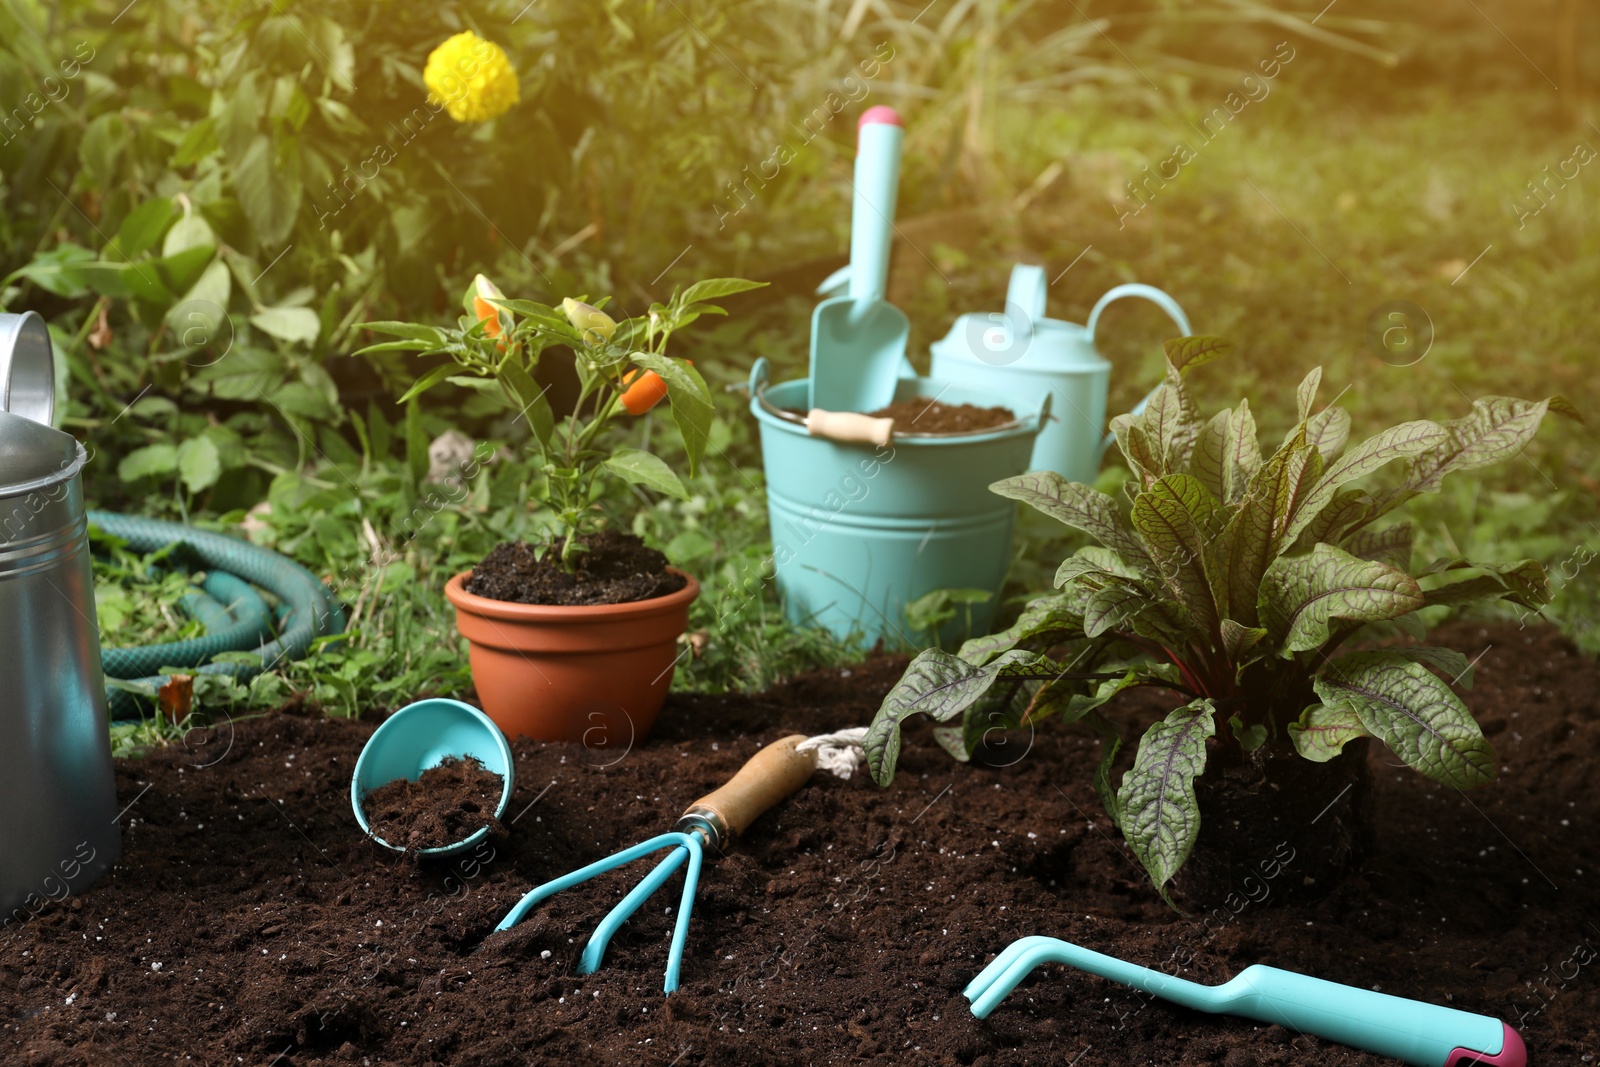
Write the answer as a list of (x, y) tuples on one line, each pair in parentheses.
[(1423, 1034), (710, 822)]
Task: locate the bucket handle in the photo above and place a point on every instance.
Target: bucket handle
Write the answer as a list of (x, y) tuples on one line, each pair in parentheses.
[(1157, 297)]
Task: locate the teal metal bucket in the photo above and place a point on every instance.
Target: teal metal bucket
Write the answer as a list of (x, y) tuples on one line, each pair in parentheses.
[(859, 531)]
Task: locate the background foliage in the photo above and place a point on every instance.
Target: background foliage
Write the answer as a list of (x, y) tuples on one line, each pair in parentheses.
[(219, 190)]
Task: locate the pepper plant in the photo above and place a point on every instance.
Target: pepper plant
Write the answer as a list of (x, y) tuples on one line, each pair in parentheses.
[(622, 369), (1235, 579)]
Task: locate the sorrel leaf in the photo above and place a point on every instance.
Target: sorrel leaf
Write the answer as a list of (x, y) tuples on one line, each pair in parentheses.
[(1254, 537), (1391, 545), (1075, 505), (1177, 519), (1498, 428), (940, 686), (1414, 712), (1371, 455), (1227, 454), (1523, 582), (1456, 668), (1302, 595), (1058, 614), (1323, 731), (1160, 816)]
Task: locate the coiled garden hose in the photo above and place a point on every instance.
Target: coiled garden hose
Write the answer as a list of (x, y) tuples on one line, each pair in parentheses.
[(236, 616), (233, 613)]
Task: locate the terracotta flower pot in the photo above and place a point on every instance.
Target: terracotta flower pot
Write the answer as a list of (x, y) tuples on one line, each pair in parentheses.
[(597, 674)]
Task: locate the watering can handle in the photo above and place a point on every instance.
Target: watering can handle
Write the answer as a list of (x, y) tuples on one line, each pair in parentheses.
[(1148, 292), (27, 368), (769, 776), (1160, 300)]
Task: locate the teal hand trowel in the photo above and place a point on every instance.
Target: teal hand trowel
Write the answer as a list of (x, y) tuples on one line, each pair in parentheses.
[(858, 341)]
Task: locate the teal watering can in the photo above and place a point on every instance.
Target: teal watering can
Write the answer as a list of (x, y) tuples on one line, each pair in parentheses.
[(1021, 355)]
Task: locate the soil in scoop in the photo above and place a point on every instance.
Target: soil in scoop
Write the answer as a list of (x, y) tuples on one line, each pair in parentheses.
[(617, 569), (924, 416), (448, 803), (243, 921)]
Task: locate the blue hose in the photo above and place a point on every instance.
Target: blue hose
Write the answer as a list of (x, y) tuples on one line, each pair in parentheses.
[(310, 609)]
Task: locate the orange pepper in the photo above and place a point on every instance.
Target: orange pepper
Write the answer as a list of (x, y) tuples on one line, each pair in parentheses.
[(487, 315), (485, 311), (644, 390)]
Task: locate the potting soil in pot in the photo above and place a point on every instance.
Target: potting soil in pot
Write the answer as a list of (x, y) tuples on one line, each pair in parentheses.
[(613, 568), (448, 803), (248, 919), (921, 415)]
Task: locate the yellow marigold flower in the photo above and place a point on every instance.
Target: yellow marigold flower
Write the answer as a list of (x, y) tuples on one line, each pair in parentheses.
[(472, 78)]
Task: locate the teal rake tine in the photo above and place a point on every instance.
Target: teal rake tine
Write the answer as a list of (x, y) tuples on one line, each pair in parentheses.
[(596, 948), (680, 930), (773, 773), (683, 846)]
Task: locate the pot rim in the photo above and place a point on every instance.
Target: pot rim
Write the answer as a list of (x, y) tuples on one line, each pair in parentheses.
[(455, 591)]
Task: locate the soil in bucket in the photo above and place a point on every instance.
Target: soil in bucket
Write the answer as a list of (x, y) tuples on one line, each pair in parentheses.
[(612, 568), (920, 415), (448, 803)]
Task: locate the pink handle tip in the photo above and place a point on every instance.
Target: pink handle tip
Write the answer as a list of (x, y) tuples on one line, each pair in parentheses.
[(1513, 1053), (888, 116)]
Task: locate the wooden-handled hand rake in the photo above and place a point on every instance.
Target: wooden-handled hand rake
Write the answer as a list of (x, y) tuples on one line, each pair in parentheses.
[(712, 821)]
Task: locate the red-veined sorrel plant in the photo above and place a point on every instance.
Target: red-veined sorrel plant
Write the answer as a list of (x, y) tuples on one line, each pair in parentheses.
[(622, 369), (1234, 579)]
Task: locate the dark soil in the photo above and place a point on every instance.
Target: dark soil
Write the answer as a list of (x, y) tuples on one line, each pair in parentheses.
[(617, 568), (1276, 803), (448, 803), (919, 415), (250, 922)]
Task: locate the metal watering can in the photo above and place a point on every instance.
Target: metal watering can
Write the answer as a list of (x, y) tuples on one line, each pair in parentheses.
[(1022, 354), (58, 797)]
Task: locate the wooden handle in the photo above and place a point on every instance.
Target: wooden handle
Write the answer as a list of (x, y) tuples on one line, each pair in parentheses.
[(770, 775), (850, 428)]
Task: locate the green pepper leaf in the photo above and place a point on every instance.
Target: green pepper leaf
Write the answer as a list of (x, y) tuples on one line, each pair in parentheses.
[(642, 468), (690, 399), (715, 288)]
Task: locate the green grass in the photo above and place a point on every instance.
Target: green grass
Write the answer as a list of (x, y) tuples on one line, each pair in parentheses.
[(1315, 207)]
